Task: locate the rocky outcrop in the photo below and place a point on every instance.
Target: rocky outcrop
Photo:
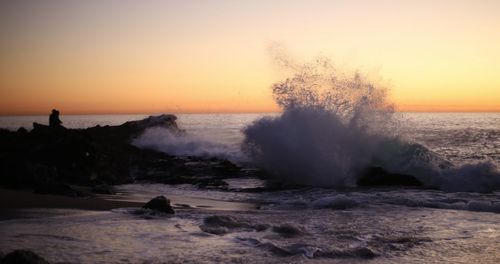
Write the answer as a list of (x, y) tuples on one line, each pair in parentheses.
[(160, 204), (22, 257), (51, 158), (79, 156)]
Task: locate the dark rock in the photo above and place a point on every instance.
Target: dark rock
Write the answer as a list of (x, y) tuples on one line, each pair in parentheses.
[(41, 129), (221, 225), (23, 257), (363, 252), (197, 171), (225, 221), (225, 168), (377, 176), (261, 227), (160, 203), (58, 189), (288, 230), (212, 183), (165, 121), (216, 230), (357, 252), (103, 189), (101, 155), (77, 156), (22, 130)]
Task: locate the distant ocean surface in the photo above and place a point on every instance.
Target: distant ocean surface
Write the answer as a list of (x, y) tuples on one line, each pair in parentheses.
[(458, 137)]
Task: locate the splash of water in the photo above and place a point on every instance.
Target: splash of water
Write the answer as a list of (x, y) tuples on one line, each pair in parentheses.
[(185, 144), (335, 124), (328, 130)]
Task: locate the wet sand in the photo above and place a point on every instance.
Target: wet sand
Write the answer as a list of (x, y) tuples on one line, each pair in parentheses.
[(11, 201), (16, 199)]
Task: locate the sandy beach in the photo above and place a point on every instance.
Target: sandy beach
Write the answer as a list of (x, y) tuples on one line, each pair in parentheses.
[(17, 199)]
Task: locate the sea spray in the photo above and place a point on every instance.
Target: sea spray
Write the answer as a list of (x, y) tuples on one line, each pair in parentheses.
[(329, 129), (309, 146), (185, 144), (335, 124)]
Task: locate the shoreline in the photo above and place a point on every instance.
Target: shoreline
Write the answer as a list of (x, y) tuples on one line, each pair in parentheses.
[(22, 199), (15, 200)]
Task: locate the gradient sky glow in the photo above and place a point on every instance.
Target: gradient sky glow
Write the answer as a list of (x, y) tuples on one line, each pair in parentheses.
[(211, 56)]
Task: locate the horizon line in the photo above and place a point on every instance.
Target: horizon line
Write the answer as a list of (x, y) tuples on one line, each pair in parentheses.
[(223, 112)]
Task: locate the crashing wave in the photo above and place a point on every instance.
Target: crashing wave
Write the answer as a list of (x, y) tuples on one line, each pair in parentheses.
[(184, 144), (336, 124)]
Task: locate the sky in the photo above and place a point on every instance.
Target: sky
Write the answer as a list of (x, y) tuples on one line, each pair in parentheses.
[(98, 56)]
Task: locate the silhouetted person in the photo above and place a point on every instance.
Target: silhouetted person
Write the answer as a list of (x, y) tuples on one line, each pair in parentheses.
[(54, 120)]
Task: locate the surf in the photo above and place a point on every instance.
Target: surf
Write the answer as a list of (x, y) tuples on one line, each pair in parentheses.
[(335, 124)]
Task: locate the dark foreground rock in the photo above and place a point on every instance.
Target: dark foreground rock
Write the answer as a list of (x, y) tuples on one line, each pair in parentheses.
[(222, 224), (103, 189), (57, 188), (22, 257), (50, 159), (288, 230), (161, 204)]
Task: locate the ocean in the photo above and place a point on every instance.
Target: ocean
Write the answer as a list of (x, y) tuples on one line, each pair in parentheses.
[(315, 224), (458, 137)]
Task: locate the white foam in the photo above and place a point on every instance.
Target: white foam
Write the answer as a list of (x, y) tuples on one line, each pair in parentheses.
[(185, 144)]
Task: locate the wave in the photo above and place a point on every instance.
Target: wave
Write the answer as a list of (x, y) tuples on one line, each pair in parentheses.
[(185, 144), (335, 124)]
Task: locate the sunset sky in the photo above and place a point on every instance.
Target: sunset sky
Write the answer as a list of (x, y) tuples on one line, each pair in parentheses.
[(212, 56)]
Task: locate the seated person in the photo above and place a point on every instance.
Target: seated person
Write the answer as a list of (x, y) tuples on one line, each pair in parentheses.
[(54, 120)]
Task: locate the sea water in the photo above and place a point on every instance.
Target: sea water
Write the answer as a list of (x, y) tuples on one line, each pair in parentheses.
[(458, 137)]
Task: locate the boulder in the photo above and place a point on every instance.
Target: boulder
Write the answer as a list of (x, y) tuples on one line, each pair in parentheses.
[(222, 224), (23, 257), (161, 204), (377, 176), (22, 131), (288, 230), (225, 221)]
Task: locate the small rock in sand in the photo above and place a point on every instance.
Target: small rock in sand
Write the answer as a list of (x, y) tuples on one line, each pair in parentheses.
[(23, 257), (160, 203), (288, 230)]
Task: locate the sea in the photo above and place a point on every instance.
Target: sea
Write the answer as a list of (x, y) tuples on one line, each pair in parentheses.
[(455, 221), (458, 137)]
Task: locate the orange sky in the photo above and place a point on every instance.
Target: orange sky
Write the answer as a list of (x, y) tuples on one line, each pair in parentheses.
[(211, 56)]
